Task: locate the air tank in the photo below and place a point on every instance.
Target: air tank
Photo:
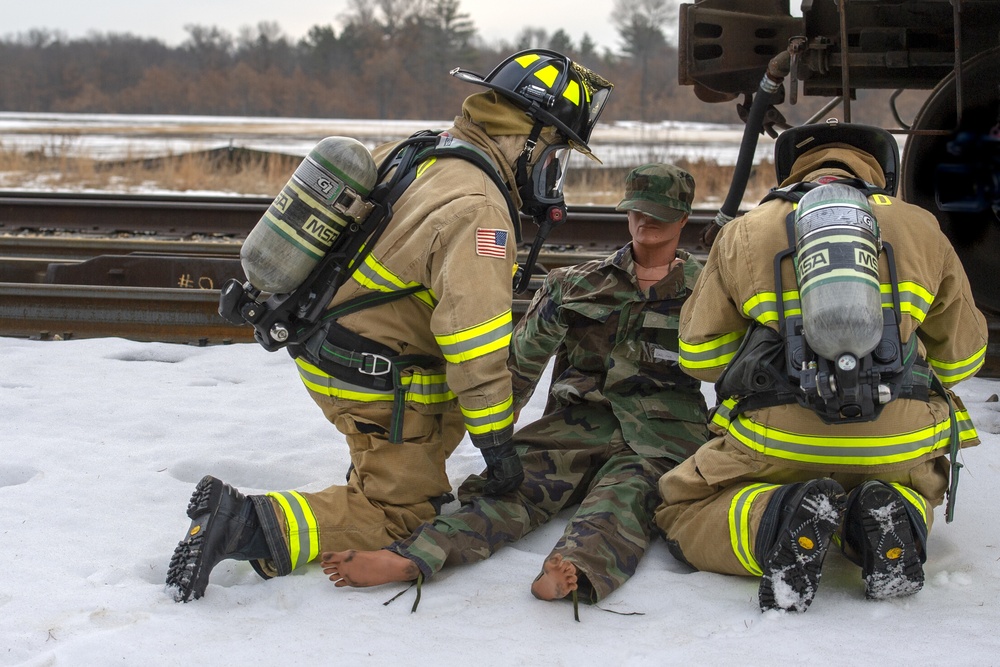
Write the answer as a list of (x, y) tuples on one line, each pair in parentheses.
[(324, 196), (837, 248)]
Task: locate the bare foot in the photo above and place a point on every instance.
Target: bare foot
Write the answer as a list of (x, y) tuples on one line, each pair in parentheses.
[(367, 568), (557, 580)]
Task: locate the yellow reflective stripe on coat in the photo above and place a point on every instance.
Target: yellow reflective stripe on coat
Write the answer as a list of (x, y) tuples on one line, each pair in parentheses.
[(955, 371), (320, 382), (841, 450), (477, 341), (739, 525), (913, 498), (490, 419), (710, 354), (763, 306), (303, 531), (914, 300), (423, 388), (373, 275)]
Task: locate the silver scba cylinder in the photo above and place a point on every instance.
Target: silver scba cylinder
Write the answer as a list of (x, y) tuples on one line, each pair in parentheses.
[(323, 197), (837, 248)]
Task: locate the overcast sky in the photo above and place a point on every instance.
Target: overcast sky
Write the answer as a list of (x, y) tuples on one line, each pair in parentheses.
[(496, 20)]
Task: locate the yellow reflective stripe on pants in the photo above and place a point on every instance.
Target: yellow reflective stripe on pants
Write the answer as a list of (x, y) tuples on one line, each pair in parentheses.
[(914, 499), (303, 533), (739, 525)]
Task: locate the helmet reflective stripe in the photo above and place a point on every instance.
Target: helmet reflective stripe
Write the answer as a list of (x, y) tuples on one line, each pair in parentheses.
[(549, 75)]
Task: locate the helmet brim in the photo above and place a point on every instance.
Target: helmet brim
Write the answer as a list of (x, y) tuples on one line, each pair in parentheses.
[(876, 141)]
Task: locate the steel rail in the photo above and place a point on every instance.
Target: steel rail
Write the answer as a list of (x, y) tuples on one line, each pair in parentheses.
[(173, 315), (153, 234), (201, 217), (166, 315)]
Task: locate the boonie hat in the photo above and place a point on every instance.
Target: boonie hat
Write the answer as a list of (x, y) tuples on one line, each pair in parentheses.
[(660, 190)]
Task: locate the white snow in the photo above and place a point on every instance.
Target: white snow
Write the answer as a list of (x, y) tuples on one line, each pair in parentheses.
[(103, 441), (125, 136)]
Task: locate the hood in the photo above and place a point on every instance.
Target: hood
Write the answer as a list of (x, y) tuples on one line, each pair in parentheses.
[(835, 158), (475, 134)]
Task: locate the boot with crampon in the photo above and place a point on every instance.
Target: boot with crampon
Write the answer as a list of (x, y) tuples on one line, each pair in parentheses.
[(886, 537), (224, 525), (793, 539)]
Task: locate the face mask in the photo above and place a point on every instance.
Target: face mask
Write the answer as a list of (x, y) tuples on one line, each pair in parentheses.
[(544, 186)]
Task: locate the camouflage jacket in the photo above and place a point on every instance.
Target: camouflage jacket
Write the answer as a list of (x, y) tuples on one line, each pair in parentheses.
[(616, 350)]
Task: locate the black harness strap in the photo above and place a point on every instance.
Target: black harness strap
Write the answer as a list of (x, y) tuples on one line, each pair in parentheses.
[(357, 359)]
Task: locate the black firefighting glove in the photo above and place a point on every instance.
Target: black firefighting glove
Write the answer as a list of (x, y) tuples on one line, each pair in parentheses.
[(503, 469)]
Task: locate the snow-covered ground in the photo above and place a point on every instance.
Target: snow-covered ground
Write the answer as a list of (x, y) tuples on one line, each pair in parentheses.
[(113, 136), (103, 441)]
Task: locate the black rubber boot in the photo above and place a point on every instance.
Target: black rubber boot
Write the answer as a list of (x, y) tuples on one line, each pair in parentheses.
[(794, 537), (888, 543), (224, 525)]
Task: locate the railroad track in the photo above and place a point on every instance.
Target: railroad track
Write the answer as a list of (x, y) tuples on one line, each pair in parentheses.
[(149, 268)]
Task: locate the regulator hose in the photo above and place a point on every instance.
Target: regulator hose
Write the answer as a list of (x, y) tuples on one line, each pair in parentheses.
[(767, 92)]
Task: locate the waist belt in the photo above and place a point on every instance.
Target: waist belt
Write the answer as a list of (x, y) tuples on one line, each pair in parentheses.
[(912, 388), (354, 358)]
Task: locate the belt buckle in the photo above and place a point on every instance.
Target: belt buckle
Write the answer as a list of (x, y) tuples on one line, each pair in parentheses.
[(374, 360)]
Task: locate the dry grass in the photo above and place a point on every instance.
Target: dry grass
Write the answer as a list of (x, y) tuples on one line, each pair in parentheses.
[(255, 173)]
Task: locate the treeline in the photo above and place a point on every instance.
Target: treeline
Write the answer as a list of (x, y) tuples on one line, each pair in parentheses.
[(390, 61)]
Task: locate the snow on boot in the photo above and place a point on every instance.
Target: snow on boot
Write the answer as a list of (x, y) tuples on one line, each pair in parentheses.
[(806, 517), (887, 543), (224, 525)]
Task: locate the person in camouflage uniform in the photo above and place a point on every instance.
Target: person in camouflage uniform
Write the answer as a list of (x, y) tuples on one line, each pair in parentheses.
[(405, 379), (620, 413)]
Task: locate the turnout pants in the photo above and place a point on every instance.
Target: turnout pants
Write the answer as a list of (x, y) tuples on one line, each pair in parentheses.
[(713, 502), (388, 490), (567, 461)]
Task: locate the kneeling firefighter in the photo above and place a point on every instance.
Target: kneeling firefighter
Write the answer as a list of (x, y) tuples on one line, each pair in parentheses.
[(402, 341), (831, 365)]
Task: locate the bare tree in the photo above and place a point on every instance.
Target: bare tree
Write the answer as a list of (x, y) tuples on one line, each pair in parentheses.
[(210, 47), (641, 25)]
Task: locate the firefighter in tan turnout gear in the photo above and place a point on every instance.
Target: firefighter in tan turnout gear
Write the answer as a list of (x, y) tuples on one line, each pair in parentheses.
[(405, 378), (854, 443), (620, 413)]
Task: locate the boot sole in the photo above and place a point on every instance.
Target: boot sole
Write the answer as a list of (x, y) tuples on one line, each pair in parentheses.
[(793, 568), (184, 571), (896, 568)]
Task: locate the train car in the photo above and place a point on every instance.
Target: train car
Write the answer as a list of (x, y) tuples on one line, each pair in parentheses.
[(833, 49)]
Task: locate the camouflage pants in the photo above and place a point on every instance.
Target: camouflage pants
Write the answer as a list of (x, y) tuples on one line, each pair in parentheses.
[(569, 458)]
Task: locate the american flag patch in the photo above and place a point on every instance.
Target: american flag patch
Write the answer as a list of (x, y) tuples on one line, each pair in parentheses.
[(491, 242)]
